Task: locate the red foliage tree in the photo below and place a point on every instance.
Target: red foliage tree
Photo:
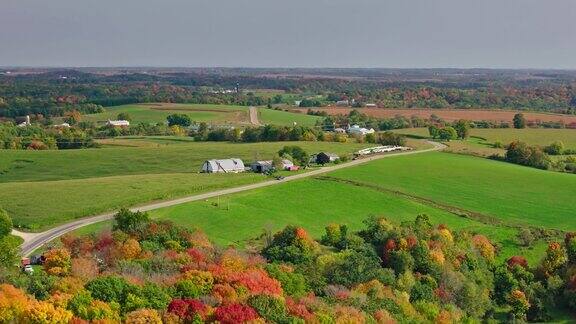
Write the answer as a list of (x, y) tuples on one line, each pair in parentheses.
[(235, 313)]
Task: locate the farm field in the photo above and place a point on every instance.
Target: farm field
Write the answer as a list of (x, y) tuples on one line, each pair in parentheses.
[(533, 136), (438, 184), (481, 140), (150, 156), (508, 193), (283, 118), (211, 114), (453, 114), (58, 186), (157, 113)]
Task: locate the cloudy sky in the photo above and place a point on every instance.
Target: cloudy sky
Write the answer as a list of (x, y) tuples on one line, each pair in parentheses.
[(294, 33)]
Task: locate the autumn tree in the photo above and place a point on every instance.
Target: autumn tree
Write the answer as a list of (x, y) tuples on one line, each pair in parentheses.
[(57, 262)]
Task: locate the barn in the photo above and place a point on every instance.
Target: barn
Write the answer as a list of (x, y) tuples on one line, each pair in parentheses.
[(225, 166)]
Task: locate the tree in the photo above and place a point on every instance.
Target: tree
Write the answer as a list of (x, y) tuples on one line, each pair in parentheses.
[(519, 121), (271, 308), (390, 138), (5, 224), (124, 116), (556, 148), (433, 130), (129, 222), (179, 119), (57, 262), (235, 313), (292, 245), (72, 117), (447, 133), (10, 251), (462, 128), (143, 316), (296, 152)]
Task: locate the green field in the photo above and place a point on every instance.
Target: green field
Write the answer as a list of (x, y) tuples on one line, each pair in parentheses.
[(212, 114), (41, 189), (154, 156), (399, 188), (283, 118), (157, 113), (533, 136)]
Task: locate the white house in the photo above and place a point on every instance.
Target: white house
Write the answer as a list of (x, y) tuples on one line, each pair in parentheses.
[(118, 123), (357, 130), (342, 103), (371, 105), (226, 166)]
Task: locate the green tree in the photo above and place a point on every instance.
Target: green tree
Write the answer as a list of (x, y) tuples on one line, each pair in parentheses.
[(5, 224), (296, 152), (433, 130), (519, 121), (447, 133), (462, 128), (179, 119), (556, 148), (128, 221), (124, 116)]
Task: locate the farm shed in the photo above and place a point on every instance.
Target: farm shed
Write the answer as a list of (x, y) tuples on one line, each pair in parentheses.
[(265, 166), (326, 156), (226, 166), (118, 123), (262, 166)]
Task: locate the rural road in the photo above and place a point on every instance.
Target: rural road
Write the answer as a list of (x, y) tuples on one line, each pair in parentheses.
[(254, 116), (33, 241)]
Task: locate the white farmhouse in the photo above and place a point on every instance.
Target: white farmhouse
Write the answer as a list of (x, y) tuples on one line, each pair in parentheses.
[(225, 166), (357, 130)]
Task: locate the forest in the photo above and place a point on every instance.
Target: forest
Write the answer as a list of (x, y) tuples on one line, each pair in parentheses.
[(54, 92), (146, 271)]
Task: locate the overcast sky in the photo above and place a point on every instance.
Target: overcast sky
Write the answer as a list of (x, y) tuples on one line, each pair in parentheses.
[(289, 33)]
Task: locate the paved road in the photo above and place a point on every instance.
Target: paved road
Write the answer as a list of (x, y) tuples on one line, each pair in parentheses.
[(254, 116), (32, 241)]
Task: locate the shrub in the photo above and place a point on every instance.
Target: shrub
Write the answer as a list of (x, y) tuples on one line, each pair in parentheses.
[(5, 224)]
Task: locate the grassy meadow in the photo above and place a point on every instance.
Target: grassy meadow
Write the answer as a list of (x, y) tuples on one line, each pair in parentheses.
[(500, 197), (157, 113), (211, 114), (283, 118), (41, 189), (489, 136)]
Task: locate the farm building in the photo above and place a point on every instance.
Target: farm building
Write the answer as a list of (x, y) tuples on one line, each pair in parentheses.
[(118, 123), (226, 166), (265, 166), (324, 156), (357, 130), (381, 149)]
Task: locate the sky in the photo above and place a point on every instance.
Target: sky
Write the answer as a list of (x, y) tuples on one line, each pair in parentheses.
[(294, 33)]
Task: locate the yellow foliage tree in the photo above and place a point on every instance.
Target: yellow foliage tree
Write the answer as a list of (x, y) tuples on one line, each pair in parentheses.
[(143, 316), (40, 312), (13, 303), (57, 262)]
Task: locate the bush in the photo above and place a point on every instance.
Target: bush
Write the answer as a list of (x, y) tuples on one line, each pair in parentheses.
[(129, 222), (556, 148)]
